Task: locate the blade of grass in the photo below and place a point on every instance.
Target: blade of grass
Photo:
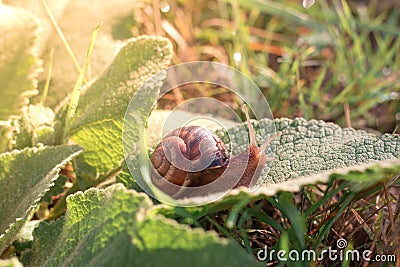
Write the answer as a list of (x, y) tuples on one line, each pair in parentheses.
[(326, 197), (265, 218), (343, 204), (48, 78), (286, 206), (219, 227), (341, 96), (183, 213), (277, 9), (344, 16), (233, 215), (316, 86), (299, 88), (79, 82)]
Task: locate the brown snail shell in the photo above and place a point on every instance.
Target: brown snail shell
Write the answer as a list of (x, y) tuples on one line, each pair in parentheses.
[(194, 166), (187, 140)]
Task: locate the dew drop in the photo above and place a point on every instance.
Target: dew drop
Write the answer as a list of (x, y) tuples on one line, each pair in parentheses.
[(237, 56), (165, 7), (308, 3)]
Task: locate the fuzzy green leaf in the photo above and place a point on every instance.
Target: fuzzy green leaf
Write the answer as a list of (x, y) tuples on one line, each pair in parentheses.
[(125, 177), (116, 227), (310, 147), (314, 151), (19, 64), (99, 118), (56, 189), (25, 176)]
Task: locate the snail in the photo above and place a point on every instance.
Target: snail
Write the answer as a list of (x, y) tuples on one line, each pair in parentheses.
[(200, 157)]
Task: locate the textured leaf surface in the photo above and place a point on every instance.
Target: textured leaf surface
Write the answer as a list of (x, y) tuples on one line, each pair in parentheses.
[(56, 189), (134, 123), (367, 173), (125, 177), (99, 118), (19, 63), (24, 178), (310, 147), (116, 227)]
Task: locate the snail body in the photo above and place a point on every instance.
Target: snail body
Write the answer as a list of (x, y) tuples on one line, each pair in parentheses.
[(199, 157)]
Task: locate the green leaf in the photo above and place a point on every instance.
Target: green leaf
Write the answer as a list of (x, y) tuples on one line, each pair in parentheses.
[(19, 64), (56, 189), (134, 124), (369, 174), (125, 178), (310, 147), (45, 231), (311, 151), (115, 227), (99, 118), (24, 178)]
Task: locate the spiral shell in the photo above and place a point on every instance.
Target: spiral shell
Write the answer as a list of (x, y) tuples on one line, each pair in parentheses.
[(205, 155)]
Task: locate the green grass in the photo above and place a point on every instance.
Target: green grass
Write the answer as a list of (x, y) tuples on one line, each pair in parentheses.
[(314, 218)]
